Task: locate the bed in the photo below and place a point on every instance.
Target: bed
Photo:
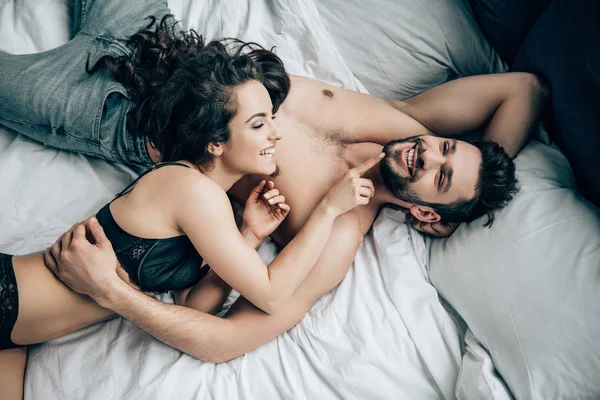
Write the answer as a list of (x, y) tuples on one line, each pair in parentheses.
[(384, 333)]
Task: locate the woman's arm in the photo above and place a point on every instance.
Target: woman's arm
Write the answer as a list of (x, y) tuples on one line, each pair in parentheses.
[(208, 295), (263, 212), (204, 214)]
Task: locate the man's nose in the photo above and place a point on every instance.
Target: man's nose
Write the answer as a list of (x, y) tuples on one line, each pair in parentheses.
[(432, 159)]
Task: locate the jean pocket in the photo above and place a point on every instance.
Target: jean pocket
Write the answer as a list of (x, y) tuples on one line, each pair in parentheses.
[(111, 121)]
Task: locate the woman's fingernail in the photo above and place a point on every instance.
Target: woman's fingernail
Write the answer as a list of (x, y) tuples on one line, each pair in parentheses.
[(267, 195), (271, 201)]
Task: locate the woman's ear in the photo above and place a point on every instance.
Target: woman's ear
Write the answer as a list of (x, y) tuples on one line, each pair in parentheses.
[(424, 213), (215, 149)]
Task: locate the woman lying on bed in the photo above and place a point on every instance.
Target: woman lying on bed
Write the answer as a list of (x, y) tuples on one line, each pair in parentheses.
[(207, 108)]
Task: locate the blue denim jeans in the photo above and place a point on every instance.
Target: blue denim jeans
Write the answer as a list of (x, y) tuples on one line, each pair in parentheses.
[(49, 96)]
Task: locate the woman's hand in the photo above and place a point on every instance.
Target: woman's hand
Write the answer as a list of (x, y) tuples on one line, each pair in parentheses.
[(352, 189), (264, 211)]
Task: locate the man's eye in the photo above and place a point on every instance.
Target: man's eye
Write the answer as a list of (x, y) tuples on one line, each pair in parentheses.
[(441, 180)]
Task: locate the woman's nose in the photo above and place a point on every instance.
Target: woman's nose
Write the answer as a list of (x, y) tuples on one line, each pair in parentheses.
[(275, 135)]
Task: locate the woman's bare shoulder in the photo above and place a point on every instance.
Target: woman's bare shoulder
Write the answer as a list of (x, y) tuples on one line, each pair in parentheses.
[(191, 184)]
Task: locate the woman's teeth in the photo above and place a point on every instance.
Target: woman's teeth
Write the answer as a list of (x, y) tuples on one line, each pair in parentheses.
[(267, 152), (410, 156)]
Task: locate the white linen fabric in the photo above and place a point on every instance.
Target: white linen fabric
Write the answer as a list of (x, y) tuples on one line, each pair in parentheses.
[(382, 334), (400, 48), (529, 287)]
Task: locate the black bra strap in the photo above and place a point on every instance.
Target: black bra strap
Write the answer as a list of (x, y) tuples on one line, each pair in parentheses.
[(129, 188)]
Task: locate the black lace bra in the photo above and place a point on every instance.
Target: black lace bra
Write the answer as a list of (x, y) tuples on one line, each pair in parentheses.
[(154, 265)]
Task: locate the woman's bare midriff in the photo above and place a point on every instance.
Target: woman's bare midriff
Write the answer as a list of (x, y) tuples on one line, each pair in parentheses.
[(48, 308)]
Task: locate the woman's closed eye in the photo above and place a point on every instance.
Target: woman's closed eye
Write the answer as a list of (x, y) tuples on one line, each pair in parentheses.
[(260, 124), (445, 148)]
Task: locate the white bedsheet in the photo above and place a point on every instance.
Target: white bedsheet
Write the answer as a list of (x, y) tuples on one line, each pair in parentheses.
[(382, 334)]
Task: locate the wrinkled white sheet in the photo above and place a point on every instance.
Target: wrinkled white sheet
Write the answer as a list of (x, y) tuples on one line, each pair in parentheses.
[(381, 334)]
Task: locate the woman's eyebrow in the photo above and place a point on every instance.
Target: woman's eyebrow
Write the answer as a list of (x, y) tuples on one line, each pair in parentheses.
[(262, 114)]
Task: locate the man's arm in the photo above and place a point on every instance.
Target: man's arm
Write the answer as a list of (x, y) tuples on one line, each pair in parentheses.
[(509, 103), (90, 269), (355, 116)]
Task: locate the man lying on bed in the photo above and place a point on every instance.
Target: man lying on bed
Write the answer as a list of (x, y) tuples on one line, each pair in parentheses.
[(326, 131)]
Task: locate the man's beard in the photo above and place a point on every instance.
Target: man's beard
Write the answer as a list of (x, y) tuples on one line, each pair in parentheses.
[(396, 184)]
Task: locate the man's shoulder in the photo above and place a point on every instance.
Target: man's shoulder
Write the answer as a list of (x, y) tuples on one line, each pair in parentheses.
[(355, 223)]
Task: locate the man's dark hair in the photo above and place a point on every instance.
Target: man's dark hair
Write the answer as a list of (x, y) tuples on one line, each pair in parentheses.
[(182, 87), (496, 187)]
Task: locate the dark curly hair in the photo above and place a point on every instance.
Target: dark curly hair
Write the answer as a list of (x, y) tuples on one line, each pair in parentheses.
[(182, 87), (497, 185)]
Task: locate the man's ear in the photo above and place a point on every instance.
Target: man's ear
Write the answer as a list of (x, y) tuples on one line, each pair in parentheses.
[(424, 213), (215, 149)]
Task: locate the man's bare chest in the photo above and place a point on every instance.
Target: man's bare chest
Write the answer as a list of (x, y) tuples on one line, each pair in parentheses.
[(309, 163)]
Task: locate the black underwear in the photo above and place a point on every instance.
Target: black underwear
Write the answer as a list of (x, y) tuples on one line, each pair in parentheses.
[(9, 301)]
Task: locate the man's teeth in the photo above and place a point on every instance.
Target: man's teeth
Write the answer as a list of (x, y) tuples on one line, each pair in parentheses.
[(267, 152), (410, 155)]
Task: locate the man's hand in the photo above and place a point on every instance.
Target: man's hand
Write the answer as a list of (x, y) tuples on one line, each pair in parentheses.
[(438, 229), (86, 266)]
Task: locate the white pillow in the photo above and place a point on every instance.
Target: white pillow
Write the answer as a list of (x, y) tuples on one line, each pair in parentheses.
[(399, 48), (294, 28), (529, 287)]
